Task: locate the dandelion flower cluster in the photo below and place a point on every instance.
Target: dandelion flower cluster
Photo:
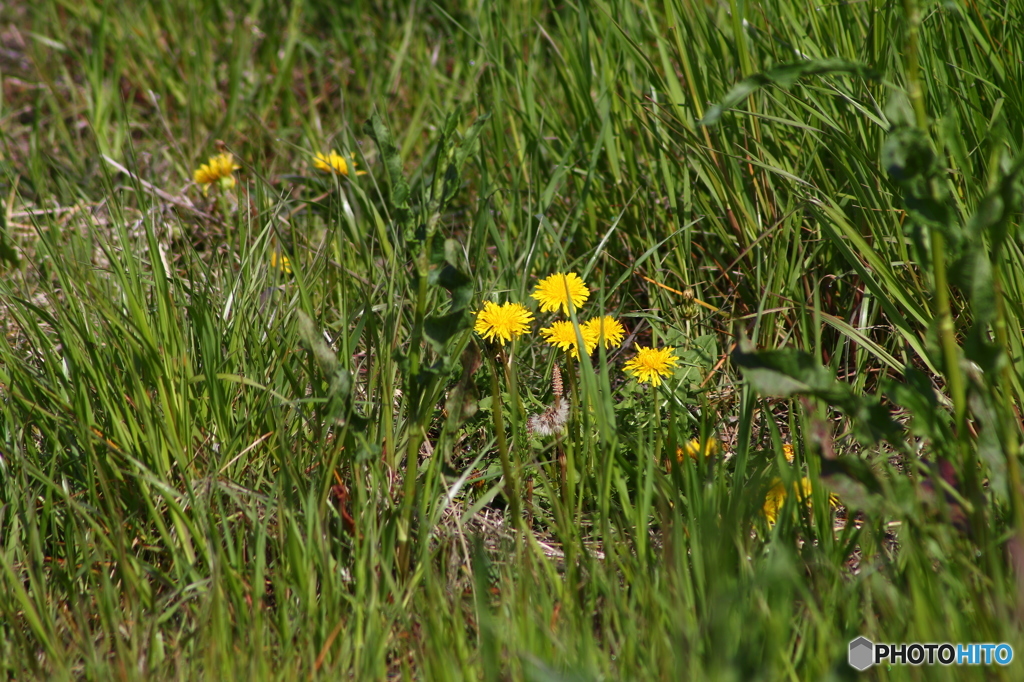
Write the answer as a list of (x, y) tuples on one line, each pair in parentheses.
[(651, 364), (282, 263), (788, 452), (563, 335), (558, 290), (693, 448), (335, 163), (505, 322), (612, 329), (217, 169), (776, 497)]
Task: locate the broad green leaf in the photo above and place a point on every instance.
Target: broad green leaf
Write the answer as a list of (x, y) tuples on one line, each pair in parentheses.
[(907, 154), (782, 373), (784, 76), (7, 252), (788, 372), (314, 341), (917, 396), (453, 172), (398, 186), (439, 329)]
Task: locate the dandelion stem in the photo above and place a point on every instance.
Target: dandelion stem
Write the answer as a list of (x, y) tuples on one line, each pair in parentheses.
[(511, 484), (417, 417)]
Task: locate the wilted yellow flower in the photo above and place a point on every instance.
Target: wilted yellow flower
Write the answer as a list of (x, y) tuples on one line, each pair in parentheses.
[(712, 446), (556, 291), (335, 163), (217, 169), (651, 364), (613, 330), (776, 497), (563, 335), (506, 321), (282, 263)]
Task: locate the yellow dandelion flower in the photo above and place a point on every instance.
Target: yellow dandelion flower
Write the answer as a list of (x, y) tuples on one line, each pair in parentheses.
[(282, 263), (712, 446), (558, 290), (506, 321), (776, 497), (335, 163), (217, 169), (563, 335), (613, 330), (651, 364), (788, 452)]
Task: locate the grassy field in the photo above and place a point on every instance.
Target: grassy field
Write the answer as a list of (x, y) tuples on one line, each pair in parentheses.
[(251, 429)]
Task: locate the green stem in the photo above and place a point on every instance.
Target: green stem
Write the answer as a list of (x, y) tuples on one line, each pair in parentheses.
[(914, 87), (947, 335), (511, 483), (1011, 442), (512, 380), (518, 416), (576, 403), (943, 313), (416, 418)]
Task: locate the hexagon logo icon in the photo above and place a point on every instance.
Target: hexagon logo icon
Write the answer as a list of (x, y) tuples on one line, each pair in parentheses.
[(862, 654)]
